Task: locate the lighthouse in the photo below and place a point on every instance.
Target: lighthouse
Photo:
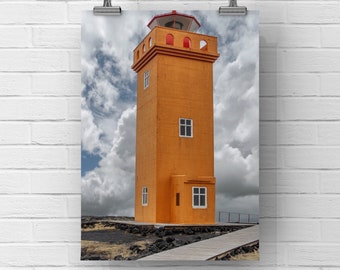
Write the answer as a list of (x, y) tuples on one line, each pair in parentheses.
[(175, 180)]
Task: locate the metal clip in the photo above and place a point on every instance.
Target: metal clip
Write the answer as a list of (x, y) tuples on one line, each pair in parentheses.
[(233, 9), (107, 9)]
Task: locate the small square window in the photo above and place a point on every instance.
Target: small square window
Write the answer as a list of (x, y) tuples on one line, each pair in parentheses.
[(185, 127), (146, 79), (199, 197)]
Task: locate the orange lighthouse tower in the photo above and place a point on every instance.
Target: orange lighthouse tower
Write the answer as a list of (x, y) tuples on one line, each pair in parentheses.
[(175, 180)]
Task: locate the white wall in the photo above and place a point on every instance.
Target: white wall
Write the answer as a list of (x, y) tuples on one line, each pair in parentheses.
[(40, 133)]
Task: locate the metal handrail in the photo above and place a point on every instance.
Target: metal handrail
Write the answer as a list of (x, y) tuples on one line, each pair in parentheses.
[(250, 218)]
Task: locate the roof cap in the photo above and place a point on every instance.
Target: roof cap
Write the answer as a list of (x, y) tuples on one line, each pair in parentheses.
[(175, 20)]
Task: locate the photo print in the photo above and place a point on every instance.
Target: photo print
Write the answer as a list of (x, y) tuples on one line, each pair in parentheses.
[(170, 136)]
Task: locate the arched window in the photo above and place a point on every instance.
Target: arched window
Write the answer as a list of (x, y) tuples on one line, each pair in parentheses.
[(150, 42), (144, 48), (169, 39), (137, 54), (186, 42), (203, 45)]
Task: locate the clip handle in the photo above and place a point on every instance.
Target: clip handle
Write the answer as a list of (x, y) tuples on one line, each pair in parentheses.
[(107, 3), (232, 3), (107, 9), (233, 9)]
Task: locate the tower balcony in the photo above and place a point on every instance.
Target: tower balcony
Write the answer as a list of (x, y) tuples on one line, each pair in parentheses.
[(175, 42)]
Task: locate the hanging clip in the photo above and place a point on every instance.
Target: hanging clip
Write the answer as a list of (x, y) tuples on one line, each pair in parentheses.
[(233, 9), (107, 9)]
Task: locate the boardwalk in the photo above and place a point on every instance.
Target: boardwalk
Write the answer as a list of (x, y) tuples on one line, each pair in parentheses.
[(206, 249)]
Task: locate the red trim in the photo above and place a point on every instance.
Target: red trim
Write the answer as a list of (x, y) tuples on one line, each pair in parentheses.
[(174, 12)]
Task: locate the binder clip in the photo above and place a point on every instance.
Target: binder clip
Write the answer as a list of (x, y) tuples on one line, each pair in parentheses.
[(233, 9), (107, 9)]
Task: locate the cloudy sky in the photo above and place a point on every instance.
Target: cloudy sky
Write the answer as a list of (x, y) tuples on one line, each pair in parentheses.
[(108, 111)]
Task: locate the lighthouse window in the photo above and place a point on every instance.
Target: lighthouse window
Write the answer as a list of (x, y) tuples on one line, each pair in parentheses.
[(186, 42), (174, 24), (169, 39), (203, 45), (199, 197), (146, 79), (185, 127), (177, 199), (144, 196)]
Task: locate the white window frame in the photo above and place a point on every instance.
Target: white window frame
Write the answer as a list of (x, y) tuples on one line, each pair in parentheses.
[(199, 194), (185, 125), (146, 79), (144, 196)]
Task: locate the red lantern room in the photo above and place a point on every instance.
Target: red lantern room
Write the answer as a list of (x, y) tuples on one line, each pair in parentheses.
[(175, 20)]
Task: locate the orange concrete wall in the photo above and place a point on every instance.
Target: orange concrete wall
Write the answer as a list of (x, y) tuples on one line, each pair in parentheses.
[(146, 145), (184, 90)]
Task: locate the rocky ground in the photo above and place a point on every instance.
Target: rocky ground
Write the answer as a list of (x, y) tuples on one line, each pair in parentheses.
[(246, 252), (108, 239)]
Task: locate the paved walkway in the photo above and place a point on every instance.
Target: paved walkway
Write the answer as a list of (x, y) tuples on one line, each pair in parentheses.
[(206, 249)]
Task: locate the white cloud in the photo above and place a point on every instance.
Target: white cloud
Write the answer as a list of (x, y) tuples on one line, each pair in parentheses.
[(109, 188), (106, 59), (90, 132)]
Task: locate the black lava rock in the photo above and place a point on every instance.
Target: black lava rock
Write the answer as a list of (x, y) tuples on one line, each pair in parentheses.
[(135, 248), (197, 238), (135, 230), (170, 239), (118, 258), (189, 231), (160, 232), (168, 232)]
